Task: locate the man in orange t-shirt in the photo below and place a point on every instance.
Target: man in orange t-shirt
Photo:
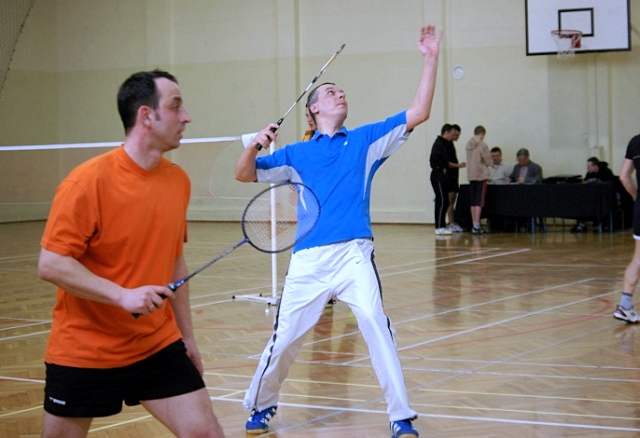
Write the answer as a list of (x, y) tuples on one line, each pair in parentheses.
[(113, 240)]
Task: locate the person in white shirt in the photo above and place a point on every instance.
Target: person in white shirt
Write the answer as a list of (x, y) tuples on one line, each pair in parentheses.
[(499, 172)]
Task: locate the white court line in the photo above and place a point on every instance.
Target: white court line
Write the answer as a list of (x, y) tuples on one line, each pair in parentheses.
[(493, 324), (19, 258), (533, 396), (452, 256), (121, 423), (11, 338), (338, 410), (462, 262), (493, 419), (581, 426), (503, 361), (507, 320), (20, 379), (21, 411), (21, 325), (381, 272), (469, 418), (459, 309)]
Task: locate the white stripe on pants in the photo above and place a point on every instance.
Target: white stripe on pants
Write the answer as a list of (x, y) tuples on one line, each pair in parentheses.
[(345, 271)]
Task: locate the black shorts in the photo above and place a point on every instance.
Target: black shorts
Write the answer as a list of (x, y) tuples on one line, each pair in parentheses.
[(453, 185), (477, 193), (636, 219), (93, 392)]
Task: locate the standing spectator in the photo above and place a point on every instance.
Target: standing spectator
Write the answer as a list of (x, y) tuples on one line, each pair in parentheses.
[(499, 172), (625, 310), (113, 240), (439, 160), (453, 175), (525, 171), (478, 162)]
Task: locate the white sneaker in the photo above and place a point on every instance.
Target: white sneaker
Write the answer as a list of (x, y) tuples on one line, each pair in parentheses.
[(443, 232), (455, 228), (627, 315)]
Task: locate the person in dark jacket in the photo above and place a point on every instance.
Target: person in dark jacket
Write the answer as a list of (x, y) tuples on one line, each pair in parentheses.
[(439, 161), (597, 171)]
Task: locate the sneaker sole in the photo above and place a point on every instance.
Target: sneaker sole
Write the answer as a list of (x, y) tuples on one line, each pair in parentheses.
[(621, 318), (257, 431)]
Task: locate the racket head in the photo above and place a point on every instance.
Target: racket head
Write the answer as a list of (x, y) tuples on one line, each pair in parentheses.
[(280, 217)]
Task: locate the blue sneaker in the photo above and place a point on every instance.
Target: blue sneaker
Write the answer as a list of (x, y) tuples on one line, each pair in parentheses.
[(258, 422), (403, 429)]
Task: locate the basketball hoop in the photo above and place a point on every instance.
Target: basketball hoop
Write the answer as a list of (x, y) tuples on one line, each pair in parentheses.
[(567, 41)]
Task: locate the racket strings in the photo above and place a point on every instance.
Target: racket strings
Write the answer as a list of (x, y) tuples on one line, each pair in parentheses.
[(280, 217)]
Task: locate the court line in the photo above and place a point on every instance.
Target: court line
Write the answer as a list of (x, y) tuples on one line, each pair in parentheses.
[(535, 396), (501, 420), (462, 262), (121, 423), (21, 411), (19, 258), (11, 338), (21, 379), (340, 410), (522, 354), (469, 307), (382, 273), (22, 325), (429, 415), (507, 320), (452, 256)]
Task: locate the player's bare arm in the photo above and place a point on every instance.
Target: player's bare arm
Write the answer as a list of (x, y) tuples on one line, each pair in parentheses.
[(429, 45), (246, 165), (69, 274), (182, 309)]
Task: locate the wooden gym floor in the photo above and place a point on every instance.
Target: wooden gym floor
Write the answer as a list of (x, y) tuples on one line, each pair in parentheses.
[(500, 335)]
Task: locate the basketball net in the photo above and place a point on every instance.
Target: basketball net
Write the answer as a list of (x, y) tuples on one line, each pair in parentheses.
[(567, 41)]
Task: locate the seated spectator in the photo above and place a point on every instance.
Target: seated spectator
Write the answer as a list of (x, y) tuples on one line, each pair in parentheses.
[(597, 171), (525, 171), (498, 171)]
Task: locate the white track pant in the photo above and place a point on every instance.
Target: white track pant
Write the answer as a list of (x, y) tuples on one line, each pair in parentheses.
[(346, 271)]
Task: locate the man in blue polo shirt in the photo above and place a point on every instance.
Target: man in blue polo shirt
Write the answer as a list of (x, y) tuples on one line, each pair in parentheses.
[(336, 260)]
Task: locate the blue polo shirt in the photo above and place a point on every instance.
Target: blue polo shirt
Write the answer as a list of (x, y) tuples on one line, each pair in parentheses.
[(339, 170)]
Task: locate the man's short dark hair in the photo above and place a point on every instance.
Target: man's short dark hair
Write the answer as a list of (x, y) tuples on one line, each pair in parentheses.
[(446, 128), (496, 149), (313, 98), (139, 90), (522, 152), (594, 160)]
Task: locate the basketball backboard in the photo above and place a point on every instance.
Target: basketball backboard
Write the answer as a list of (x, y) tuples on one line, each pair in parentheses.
[(605, 24)]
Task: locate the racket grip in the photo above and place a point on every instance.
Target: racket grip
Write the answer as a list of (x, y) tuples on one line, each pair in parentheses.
[(173, 286), (259, 147)]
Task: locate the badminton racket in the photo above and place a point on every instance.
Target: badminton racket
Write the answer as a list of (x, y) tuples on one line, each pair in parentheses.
[(313, 81), (275, 220)]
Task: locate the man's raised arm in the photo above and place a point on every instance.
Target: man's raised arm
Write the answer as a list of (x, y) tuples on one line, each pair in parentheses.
[(429, 45)]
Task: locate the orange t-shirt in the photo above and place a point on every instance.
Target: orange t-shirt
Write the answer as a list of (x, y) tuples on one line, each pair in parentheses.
[(128, 225)]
